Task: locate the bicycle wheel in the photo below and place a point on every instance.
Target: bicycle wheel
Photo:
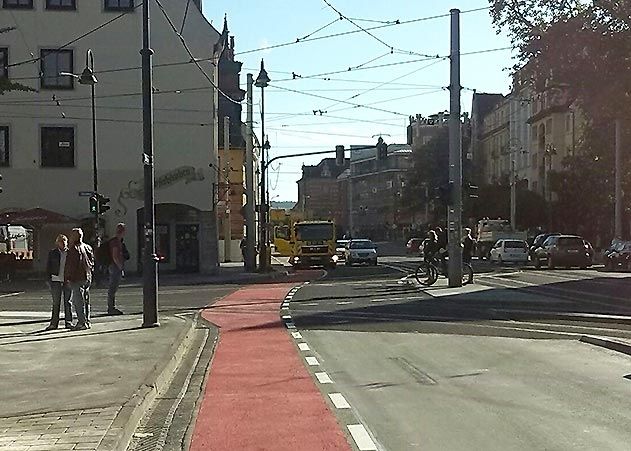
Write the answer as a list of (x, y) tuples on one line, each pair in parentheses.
[(467, 274), (423, 274)]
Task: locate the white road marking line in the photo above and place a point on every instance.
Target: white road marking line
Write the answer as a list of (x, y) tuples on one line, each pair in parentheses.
[(378, 300), (312, 361), (286, 316), (304, 347), (296, 335), (290, 325), (339, 401), (361, 437), (312, 304), (323, 378), (344, 302), (6, 295), (22, 314), (284, 308)]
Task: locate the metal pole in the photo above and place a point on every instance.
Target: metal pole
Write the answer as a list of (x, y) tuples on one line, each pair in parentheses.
[(454, 215), (513, 195), (250, 221), (94, 164), (350, 202), (227, 235), (618, 181), (263, 193), (149, 270)]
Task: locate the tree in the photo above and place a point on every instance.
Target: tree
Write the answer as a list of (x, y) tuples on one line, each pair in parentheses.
[(429, 173), (7, 85)]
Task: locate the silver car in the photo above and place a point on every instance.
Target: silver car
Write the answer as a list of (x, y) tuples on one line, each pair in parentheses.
[(361, 251)]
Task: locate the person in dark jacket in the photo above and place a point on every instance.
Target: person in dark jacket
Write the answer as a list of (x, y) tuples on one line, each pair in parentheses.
[(55, 271), (468, 246), (431, 246)]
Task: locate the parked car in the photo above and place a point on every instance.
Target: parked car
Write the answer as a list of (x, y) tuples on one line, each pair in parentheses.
[(413, 245), (538, 242), (618, 255), (509, 251), (340, 249), (563, 250), (361, 251)]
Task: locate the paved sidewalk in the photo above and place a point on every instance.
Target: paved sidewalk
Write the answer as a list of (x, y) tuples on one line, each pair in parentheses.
[(63, 390)]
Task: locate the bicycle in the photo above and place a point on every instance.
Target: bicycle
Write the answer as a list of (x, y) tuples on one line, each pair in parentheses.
[(427, 272)]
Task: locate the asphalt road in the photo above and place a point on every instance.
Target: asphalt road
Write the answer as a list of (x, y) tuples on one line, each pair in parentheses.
[(496, 365)]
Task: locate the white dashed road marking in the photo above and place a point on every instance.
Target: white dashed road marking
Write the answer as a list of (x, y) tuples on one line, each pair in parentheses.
[(312, 361), (290, 325), (323, 378), (344, 302), (339, 401), (304, 347), (296, 335), (361, 437), (286, 317)]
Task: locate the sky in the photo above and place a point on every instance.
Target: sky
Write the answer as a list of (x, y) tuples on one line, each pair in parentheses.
[(405, 82)]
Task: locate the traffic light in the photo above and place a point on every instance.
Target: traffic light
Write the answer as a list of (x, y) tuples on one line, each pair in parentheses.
[(382, 149), (103, 201), (443, 193), (94, 205), (339, 155), (0, 181)]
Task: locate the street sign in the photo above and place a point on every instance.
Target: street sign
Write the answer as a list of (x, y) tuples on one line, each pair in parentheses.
[(85, 193)]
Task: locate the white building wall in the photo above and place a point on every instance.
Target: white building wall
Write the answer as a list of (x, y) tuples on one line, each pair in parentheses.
[(184, 133)]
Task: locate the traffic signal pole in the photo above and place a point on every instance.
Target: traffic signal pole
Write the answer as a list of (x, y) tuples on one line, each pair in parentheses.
[(454, 215)]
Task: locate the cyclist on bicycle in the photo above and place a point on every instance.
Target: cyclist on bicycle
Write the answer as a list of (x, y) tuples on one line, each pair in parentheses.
[(431, 247)]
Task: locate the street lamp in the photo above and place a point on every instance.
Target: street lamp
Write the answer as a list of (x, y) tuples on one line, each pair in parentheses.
[(87, 78), (262, 81)]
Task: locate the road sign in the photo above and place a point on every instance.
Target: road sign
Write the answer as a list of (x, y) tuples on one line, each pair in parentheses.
[(85, 193)]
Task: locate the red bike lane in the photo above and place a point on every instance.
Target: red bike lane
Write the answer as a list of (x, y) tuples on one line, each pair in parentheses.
[(259, 395)]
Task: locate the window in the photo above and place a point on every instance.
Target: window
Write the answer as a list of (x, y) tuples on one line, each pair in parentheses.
[(54, 62), (61, 4), (58, 147), (4, 62), (22, 4), (4, 146), (119, 5)]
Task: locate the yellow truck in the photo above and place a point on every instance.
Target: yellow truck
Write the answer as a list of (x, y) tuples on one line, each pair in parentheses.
[(313, 244)]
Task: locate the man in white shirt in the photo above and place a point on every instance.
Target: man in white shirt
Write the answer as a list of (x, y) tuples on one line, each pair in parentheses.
[(58, 287)]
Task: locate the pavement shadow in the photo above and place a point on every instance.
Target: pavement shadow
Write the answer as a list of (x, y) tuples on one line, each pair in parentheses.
[(578, 303)]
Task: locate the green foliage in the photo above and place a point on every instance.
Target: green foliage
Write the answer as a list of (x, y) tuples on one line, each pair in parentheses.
[(7, 85)]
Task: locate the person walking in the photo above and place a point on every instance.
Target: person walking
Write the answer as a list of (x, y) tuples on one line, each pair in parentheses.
[(118, 253), (78, 273), (55, 270)]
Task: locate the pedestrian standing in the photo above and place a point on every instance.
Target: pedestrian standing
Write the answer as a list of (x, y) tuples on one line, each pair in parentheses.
[(118, 253), (468, 246), (78, 273), (55, 270)]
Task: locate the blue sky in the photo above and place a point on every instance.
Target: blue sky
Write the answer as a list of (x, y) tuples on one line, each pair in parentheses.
[(413, 87)]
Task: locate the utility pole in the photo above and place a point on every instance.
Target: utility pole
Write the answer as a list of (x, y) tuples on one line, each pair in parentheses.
[(618, 181), (350, 200), (250, 220), (454, 215), (150, 266), (227, 230), (513, 195), (262, 81)]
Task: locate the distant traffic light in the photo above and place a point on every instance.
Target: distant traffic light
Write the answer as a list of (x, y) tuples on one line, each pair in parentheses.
[(382, 149), (0, 181), (339, 155), (471, 190), (103, 201), (94, 205), (444, 193)]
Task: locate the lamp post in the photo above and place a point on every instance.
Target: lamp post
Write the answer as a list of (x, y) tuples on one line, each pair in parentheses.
[(87, 78), (262, 81)]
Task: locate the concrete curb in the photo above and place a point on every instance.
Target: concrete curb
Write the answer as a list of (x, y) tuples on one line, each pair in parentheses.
[(119, 435), (608, 343)]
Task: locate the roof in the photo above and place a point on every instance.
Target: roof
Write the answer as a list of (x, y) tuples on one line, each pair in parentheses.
[(325, 169), (485, 102), (35, 216)]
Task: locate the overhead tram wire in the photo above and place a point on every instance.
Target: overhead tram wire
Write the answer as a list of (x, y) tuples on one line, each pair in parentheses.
[(188, 50), (78, 38), (396, 23)]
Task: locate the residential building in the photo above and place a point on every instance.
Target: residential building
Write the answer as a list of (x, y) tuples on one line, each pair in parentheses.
[(376, 187), (231, 189), (422, 130), (480, 147), (47, 156), (318, 191)]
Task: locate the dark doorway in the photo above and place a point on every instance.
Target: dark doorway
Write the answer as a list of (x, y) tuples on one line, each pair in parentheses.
[(187, 247)]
